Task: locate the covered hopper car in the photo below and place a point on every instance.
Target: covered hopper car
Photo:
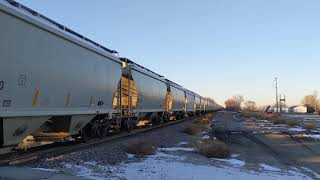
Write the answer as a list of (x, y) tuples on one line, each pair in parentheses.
[(56, 81)]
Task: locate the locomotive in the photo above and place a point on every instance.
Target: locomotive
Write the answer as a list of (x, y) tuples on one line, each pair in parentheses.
[(54, 80)]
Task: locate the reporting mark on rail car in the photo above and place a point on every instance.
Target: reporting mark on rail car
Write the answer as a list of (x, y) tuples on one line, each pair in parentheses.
[(6, 103), (22, 79)]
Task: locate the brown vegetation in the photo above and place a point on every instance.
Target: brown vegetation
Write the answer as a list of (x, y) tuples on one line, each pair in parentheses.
[(310, 126), (272, 117), (250, 106), (234, 103), (292, 123), (141, 149), (311, 102), (202, 121), (192, 130), (278, 120), (213, 149), (260, 115)]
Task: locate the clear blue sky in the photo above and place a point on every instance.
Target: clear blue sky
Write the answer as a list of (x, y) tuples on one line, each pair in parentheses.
[(217, 48)]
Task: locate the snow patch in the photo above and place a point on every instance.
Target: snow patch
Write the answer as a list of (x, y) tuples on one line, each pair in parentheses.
[(83, 171), (297, 129), (205, 137), (47, 170), (235, 155), (316, 131), (269, 168), (172, 149), (183, 143), (314, 137), (233, 162), (92, 163), (203, 133), (236, 132), (166, 166), (161, 155), (159, 168), (130, 156)]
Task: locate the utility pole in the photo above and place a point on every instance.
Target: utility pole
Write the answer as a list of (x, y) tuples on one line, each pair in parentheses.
[(315, 95), (282, 102), (277, 100)]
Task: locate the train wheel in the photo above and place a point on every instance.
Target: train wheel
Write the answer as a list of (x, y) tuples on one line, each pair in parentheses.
[(155, 120), (166, 118), (183, 116), (104, 130), (178, 116), (129, 125), (160, 120), (85, 134), (96, 130)]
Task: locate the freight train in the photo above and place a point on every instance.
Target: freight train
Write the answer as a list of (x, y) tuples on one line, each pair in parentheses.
[(54, 80)]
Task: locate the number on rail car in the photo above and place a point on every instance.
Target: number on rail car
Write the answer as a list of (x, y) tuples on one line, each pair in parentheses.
[(1, 85)]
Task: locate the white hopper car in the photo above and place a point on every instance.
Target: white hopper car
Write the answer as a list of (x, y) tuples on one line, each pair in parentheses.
[(54, 80)]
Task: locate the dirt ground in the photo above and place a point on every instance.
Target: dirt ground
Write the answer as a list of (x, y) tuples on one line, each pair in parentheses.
[(260, 141)]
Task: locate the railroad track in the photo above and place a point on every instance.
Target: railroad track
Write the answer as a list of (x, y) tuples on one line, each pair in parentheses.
[(63, 148), (298, 140), (230, 136)]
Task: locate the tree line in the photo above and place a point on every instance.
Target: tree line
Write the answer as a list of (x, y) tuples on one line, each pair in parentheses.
[(311, 102), (237, 103)]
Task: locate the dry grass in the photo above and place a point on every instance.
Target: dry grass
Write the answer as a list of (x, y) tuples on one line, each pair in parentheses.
[(141, 149), (310, 126), (260, 115), (272, 117), (292, 123), (278, 120), (192, 130), (213, 149), (202, 121)]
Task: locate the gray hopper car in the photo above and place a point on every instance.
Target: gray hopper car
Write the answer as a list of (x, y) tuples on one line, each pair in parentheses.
[(54, 80)]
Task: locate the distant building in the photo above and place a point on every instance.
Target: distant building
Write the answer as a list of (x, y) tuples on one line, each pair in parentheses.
[(282, 108), (298, 109), (285, 109)]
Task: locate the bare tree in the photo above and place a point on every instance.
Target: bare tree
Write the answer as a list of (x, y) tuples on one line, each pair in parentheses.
[(263, 108), (231, 105), (315, 95), (250, 106), (238, 99), (234, 103), (311, 102)]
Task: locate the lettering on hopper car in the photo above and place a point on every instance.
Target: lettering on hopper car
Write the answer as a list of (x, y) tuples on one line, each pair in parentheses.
[(6, 103), (22, 79), (100, 103), (1, 85)]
